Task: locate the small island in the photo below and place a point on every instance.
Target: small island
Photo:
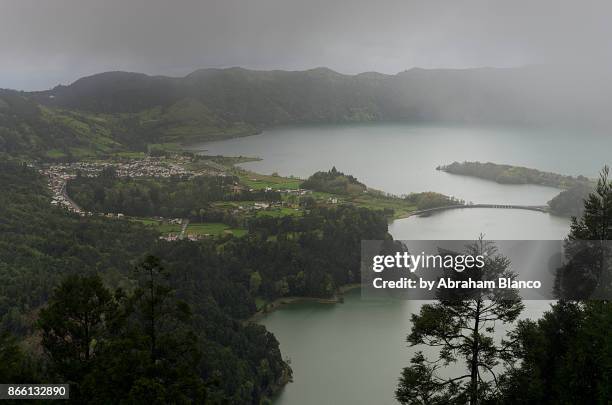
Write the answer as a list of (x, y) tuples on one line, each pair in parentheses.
[(508, 174), (568, 202)]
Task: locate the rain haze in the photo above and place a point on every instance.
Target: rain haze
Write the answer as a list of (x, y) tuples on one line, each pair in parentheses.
[(55, 42)]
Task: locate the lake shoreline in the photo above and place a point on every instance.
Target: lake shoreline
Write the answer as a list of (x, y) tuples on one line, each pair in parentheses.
[(321, 341), (278, 303)]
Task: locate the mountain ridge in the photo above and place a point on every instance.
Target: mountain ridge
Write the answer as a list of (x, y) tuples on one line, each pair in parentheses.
[(136, 110)]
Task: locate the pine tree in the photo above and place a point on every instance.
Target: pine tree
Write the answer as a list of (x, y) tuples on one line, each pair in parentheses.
[(73, 324), (153, 356), (586, 273), (596, 221), (565, 356), (461, 328)]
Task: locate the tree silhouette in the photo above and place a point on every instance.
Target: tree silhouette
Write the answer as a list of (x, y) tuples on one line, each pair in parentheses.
[(461, 326)]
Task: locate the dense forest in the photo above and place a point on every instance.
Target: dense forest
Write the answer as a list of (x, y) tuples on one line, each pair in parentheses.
[(166, 197), (56, 266), (565, 356), (570, 202), (42, 247)]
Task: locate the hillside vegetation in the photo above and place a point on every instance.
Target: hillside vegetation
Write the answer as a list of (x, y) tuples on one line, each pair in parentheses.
[(30, 129), (42, 246), (55, 265), (334, 182), (507, 174), (112, 111)]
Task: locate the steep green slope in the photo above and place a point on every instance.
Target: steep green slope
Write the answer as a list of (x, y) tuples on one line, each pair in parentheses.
[(263, 98), (29, 129), (49, 132)]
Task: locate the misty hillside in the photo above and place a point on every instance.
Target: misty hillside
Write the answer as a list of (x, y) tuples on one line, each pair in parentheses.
[(33, 130), (99, 113), (521, 95), (280, 97)]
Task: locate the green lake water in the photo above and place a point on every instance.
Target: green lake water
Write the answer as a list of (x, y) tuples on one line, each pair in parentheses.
[(353, 353)]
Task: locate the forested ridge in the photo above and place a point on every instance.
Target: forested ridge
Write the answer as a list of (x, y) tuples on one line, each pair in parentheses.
[(121, 111)]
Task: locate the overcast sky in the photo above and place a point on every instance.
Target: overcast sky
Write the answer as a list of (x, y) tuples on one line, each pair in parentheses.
[(47, 42)]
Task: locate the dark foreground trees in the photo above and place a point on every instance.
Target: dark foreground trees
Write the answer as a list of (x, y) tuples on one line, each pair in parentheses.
[(116, 347), (73, 324), (566, 356), (563, 358), (15, 367), (146, 345), (461, 328), (586, 274)]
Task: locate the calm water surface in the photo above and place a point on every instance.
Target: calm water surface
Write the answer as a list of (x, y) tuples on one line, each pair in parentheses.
[(350, 353), (402, 158), (469, 223), (353, 353)]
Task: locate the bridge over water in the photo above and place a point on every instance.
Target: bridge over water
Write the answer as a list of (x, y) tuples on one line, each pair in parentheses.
[(539, 208)]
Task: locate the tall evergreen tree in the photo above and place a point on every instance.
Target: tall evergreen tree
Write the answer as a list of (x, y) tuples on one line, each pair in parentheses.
[(153, 356), (14, 367), (596, 221), (562, 358), (565, 357), (586, 273), (73, 324), (461, 327)]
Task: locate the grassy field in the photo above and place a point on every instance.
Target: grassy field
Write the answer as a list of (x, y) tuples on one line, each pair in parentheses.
[(213, 228), (163, 227), (169, 228), (400, 207), (279, 212), (258, 181), (200, 229), (374, 200), (55, 154), (131, 155)]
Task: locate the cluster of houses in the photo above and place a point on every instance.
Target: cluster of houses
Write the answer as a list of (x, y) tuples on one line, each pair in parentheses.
[(173, 237), (59, 174), (151, 167), (297, 192), (57, 180), (147, 167)]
